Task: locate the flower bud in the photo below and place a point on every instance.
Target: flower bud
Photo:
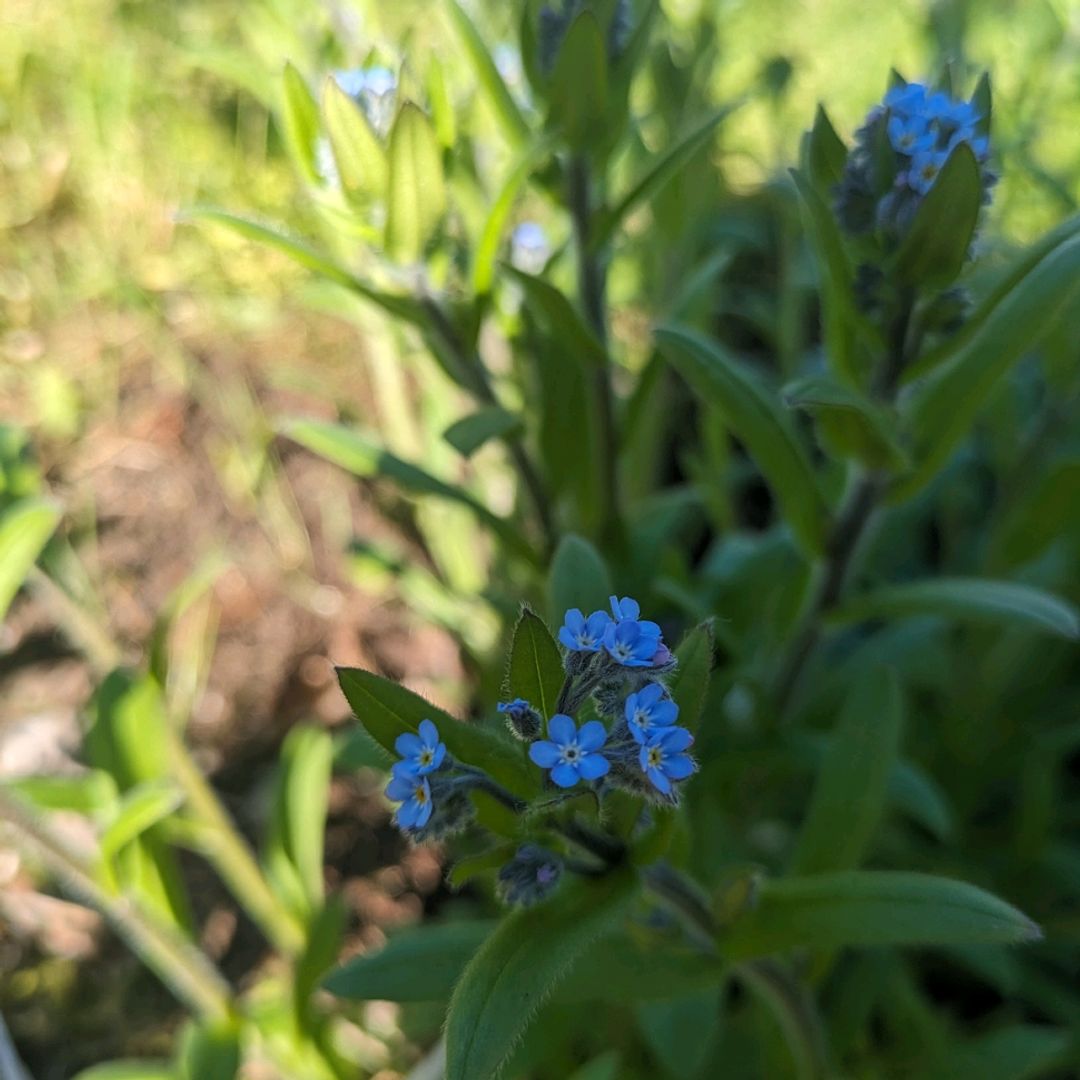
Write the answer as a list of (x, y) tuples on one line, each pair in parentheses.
[(521, 718), (530, 876)]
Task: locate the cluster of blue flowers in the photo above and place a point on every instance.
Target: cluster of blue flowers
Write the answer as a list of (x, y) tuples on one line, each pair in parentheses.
[(899, 153), (628, 640), (925, 127), (615, 661), (421, 755), (643, 750)]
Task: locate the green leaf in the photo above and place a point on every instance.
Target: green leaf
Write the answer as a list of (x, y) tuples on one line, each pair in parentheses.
[(944, 406), (471, 866), (402, 307), (1044, 512), (982, 99), (300, 119), (839, 315), (1015, 1052), (442, 107), (824, 154), (872, 908), (850, 424), (129, 1069), (419, 964), (556, 312), (469, 433), (665, 168), (361, 455), (210, 1052), (360, 158), (578, 578), (88, 793), (850, 793), (141, 808), (416, 193), (503, 105), (299, 816), (386, 710), (517, 968), (487, 248), (604, 1067), (536, 668), (1023, 265), (916, 794), (689, 682), (1006, 603), (25, 527), (939, 238), (756, 418), (578, 91), (681, 1031)]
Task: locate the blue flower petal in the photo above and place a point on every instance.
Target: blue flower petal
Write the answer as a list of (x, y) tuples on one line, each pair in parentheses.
[(408, 813), (400, 788), (659, 781), (592, 736), (592, 766), (408, 745), (574, 620), (544, 753), (438, 757), (565, 775), (429, 733), (674, 740), (679, 767), (561, 729), (424, 814)]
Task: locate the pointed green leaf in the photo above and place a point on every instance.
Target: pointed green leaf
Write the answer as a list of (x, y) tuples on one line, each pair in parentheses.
[(850, 793), (517, 968), (578, 93), (418, 964), (553, 309), (756, 417), (363, 456), (403, 307), (1015, 1052), (916, 794), (849, 424), (416, 193), (142, 807), (536, 668), (982, 99), (25, 528), (469, 433), (387, 710), (681, 1031), (872, 908), (360, 158), (665, 168), (938, 241), (300, 804), (89, 793), (689, 682), (578, 578), (502, 103), (300, 118), (487, 249), (825, 154), (1005, 603), (836, 278), (943, 407)]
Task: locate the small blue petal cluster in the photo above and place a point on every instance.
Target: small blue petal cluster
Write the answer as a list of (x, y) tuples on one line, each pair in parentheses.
[(899, 153), (628, 640), (421, 754), (522, 719)]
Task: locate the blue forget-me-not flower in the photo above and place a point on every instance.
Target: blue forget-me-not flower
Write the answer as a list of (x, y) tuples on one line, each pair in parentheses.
[(581, 634), (649, 710), (664, 759), (414, 794), (569, 753), (423, 753)]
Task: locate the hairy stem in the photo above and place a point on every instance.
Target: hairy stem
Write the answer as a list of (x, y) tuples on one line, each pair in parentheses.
[(181, 966), (592, 287), (851, 522)]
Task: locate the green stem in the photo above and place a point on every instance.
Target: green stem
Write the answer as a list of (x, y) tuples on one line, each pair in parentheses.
[(851, 523), (181, 966), (231, 856), (592, 288)]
